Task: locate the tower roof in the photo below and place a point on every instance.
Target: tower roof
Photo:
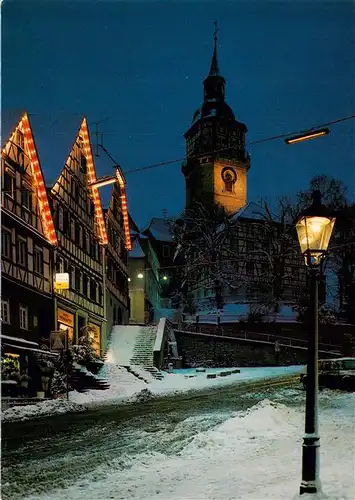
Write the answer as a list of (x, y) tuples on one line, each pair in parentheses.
[(214, 70)]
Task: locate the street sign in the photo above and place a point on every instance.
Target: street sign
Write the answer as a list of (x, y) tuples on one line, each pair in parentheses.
[(61, 281), (58, 340)]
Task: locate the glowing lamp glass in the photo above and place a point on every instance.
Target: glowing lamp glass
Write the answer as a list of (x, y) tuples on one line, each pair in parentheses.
[(140, 276), (314, 235)]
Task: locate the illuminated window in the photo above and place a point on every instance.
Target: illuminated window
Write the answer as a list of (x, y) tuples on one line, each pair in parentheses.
[(23, 317), (5, 311)]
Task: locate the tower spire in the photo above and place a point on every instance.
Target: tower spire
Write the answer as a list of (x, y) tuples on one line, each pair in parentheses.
[(214, 70)]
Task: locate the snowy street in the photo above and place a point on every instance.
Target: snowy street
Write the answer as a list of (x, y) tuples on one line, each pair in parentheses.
[(225, 446)]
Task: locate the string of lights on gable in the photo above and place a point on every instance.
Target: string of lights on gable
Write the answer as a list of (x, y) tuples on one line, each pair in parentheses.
[(124, 207), (99, 216), (37, 176)]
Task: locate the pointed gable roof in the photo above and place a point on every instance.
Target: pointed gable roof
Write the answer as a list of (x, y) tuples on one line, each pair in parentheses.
[(83, 133), (159, 229), (37, 176), (251, 210), (91, 173), (119, 192)]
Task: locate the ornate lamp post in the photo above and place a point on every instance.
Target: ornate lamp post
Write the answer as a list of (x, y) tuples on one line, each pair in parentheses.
[(314, 229)]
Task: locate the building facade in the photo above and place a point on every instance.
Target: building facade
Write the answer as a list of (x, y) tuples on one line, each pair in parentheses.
[(217, 163), (117, 294), (263, 261), (144, 281), (28, 240), (80, 254)]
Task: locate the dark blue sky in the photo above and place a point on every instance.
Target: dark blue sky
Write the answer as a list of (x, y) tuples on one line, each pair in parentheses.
[(288, 65)]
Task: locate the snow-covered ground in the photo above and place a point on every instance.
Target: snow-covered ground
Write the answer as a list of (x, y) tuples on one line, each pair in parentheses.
[(126, 388), (255, 455)]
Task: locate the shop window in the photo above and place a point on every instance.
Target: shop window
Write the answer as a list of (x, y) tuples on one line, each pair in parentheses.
[(5, 311), (6, 243), (38, 260), (23, 317), (22, 251)]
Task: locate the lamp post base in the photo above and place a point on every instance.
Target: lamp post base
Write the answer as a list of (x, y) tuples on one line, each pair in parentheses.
[(310, 465)]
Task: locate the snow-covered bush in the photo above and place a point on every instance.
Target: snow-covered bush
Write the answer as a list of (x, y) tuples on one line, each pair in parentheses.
[(10, 369), (83, 352), (58, 384)]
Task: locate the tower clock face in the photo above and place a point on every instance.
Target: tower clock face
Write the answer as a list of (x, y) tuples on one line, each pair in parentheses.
[(229, 175)]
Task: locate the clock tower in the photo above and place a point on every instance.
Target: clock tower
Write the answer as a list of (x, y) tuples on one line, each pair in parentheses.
[(216, 163)]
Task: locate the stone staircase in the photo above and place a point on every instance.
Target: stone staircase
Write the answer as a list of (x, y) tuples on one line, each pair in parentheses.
[(83, 381), (143, 350)]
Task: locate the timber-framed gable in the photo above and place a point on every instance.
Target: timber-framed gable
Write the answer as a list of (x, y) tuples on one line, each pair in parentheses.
[(28, 238), (117, 301), (82, 236)]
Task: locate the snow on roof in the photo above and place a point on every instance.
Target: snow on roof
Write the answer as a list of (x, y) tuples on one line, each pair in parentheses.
[(159, 229), (251, 211), (18, 339), (136, 252)]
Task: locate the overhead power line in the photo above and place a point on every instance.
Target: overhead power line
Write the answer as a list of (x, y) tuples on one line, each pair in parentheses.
[(259, 141)]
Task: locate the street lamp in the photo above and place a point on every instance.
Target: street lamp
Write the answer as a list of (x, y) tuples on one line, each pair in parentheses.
[(306, 136), (314, 229), (140, 276)]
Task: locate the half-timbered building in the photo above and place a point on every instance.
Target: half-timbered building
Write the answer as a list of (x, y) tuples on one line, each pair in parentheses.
[(28, 239), (80, 254), (117, 295)]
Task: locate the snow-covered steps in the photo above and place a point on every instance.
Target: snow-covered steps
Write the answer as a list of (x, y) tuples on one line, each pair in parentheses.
[(147, 373), (131, 345), (82, 380)]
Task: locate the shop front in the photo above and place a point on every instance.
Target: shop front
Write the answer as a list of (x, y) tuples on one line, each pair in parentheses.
[(66, 321)]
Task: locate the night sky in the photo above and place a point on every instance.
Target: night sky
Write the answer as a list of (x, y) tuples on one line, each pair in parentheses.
[(288, 66)]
